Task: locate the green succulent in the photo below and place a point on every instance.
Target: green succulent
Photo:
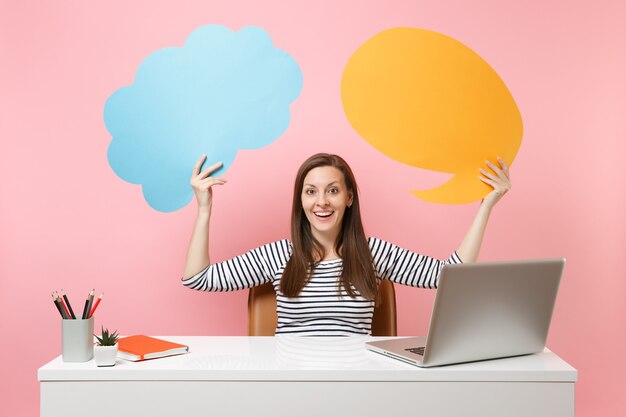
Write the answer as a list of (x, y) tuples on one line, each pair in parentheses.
[(107, 338)]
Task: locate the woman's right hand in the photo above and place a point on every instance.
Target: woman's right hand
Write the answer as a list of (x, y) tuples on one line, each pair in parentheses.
[(201, 182)]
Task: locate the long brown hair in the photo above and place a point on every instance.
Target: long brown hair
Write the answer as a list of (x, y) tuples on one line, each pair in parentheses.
[(351, 245)]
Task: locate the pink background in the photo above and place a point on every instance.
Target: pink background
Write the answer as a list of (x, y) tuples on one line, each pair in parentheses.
[(66, 220)]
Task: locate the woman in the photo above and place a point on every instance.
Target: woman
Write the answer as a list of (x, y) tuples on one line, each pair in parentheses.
[(327, 276)]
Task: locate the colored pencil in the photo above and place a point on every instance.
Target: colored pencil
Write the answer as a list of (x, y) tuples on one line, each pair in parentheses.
[(85, 309), (91, 294), (58, 304), (96, 305), (67, 312), (67, 303)]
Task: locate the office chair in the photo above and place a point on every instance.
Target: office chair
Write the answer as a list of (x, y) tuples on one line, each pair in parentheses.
[(262, 317)]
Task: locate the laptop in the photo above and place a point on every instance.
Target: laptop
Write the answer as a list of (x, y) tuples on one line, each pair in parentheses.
[(484, 311)]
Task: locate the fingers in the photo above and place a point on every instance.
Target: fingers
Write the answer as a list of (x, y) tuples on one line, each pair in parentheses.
[(200, 183), (210, 182), (495, 168), (196, 168), (499, 180), (501, 171), (488, 181), (488, 174), (498, 177), (202, 180), (204, 174), (504, 166), (210, 170)]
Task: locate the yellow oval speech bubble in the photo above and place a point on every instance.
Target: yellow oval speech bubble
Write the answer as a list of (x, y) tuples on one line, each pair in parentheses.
[(427, 100)]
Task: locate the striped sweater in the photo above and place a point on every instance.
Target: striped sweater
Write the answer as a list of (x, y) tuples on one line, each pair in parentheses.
[(320, 309)]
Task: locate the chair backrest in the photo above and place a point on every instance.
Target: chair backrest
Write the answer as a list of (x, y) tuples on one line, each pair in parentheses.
[(262, 317)]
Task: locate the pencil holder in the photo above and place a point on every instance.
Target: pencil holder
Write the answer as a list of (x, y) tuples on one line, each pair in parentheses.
[(77, 340)]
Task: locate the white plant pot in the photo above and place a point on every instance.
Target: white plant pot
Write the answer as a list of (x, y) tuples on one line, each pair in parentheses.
[(105, 355)]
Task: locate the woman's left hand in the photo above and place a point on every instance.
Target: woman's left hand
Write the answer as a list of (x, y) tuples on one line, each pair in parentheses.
[(499, 179)]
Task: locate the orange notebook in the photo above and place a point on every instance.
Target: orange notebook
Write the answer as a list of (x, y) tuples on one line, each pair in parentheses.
[(140, 347)]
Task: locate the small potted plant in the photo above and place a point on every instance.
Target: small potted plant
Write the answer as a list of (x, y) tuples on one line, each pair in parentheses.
[(105, 350)]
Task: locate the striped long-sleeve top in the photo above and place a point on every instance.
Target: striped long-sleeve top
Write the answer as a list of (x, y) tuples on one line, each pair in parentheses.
[(320, 309)]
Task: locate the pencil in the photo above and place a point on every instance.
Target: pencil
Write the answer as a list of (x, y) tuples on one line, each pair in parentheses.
[(67, 303), (96, 305), (85, 309), (66, 315), (58, 304), (91, 294), (67, 312)]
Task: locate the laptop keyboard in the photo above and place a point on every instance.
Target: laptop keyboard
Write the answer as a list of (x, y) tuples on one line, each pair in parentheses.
[(417, 350)]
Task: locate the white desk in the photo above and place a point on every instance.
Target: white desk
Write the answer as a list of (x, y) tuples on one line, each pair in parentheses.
[(299, 376)]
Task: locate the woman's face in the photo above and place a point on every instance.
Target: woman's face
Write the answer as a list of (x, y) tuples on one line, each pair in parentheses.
[(324, 201)]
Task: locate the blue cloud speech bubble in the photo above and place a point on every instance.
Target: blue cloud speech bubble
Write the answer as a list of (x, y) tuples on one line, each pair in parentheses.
[(221, 92)]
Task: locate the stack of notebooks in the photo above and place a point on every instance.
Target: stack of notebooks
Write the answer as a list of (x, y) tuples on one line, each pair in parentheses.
[(140, 347)]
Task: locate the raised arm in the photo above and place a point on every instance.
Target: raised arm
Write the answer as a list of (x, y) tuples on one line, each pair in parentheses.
[(500, 180), (198, 251)]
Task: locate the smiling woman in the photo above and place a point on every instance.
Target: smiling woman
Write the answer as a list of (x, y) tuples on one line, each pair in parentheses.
[(325, 191), (324, 200), (326, 278)]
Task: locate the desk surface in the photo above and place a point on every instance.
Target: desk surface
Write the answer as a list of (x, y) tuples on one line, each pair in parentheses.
[(292, 358)]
